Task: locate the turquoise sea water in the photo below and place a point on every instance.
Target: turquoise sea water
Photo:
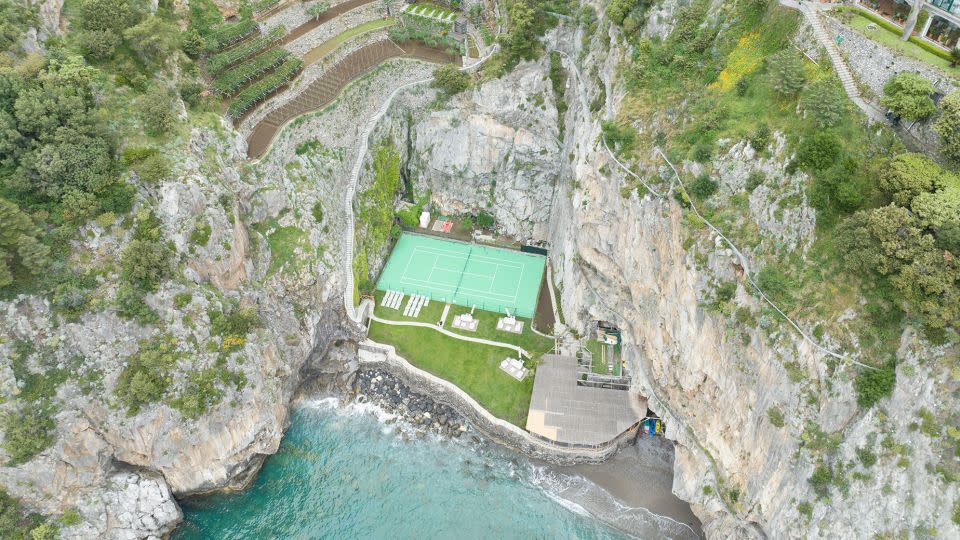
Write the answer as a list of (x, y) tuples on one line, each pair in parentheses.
[(343, 473)]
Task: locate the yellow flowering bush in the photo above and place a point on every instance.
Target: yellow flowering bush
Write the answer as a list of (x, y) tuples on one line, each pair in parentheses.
[(742, 61)]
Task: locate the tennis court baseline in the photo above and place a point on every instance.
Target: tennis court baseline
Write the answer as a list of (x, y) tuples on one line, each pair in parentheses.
[(489, 278)]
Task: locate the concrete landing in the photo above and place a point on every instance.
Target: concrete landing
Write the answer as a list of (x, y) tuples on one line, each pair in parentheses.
[(564, 412)]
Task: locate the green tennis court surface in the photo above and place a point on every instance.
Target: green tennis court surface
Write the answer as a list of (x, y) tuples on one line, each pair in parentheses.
[(491, 279)]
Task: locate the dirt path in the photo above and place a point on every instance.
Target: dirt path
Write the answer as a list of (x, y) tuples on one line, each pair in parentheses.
[(325, 89), (332, 13)]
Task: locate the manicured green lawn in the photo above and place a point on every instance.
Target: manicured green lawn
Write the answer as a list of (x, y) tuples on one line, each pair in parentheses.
[(428, 314), (331, 44), (473, 367), (892, 40), (487, 329)]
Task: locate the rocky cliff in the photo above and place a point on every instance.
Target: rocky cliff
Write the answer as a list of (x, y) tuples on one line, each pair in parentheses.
[(634, 260)]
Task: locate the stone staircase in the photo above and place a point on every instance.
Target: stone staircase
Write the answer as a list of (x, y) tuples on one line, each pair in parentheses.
[(810, 13)]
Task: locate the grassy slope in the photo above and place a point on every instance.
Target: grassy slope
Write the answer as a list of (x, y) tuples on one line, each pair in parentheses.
[(819, 290)]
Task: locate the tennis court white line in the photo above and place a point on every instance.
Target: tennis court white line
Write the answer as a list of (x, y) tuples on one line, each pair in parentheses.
[(457, 255)]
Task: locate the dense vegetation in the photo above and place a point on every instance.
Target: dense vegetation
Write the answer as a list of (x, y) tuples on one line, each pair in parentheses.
[(375, 214), (756, 81)]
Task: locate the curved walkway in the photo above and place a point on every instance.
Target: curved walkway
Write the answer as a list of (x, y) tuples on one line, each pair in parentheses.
[(325, 89), (454, 335)]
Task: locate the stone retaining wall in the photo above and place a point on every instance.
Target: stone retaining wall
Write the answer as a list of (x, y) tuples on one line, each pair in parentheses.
[(384, 357)]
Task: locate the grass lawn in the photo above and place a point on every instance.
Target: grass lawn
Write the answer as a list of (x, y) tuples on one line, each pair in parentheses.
[(601, 352), (534, 344), (892, 40), (473, 367), (428, 314), (328, 46)]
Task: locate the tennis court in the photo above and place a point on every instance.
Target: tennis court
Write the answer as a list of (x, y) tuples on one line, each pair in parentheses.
[(489, 278)]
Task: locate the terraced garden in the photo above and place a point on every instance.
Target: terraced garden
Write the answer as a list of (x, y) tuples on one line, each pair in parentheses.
[(245, 67)]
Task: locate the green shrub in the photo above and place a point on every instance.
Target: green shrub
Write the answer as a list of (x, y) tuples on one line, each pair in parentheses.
[(776, 417), (872, 385), (317, 212), (236, 321), (15, 521), (450, 80), (947, 126), (147, 375), (28, 431), (619, 139), (617, 10), (805, 509), (182, 300), (866, 457), (146, 263), (908, 96), (200, 234), (775, 284), (153, 169), (191, 92), (156, 111), (819, 151), (785, 69), (754, 180), (761, 138), (485, 220), (821, 480), (131, 304), (703, 187), (824, 101), (702, 152), (201, 392)]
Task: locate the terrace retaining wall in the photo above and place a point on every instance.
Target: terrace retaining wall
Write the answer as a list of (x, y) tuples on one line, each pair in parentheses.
[(384, 357)]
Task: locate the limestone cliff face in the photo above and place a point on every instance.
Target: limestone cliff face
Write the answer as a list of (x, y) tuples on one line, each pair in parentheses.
[(627, 259)]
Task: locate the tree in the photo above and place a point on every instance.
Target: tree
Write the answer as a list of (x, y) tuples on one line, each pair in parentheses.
[(824, 101), (156, 111), (819, 151), (786, 72), (153, 39), (15, 17), (19, 247), (450, 79), (703, 187), (99, 44), (872, 385), (908, 96), (522, 38), (939, 209), (911, 19), (948, 126), (28, 431), (617, 10), (909, 174), (318, 9)]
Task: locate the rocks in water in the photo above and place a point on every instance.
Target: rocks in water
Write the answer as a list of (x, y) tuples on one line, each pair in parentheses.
[(390, 393)]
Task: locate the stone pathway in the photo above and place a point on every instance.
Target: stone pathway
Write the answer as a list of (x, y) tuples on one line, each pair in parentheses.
[(444, 331)]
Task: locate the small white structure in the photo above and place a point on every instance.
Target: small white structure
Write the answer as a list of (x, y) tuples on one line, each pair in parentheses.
[(424, 219), (510, 324), (466, 322), (514, 368)]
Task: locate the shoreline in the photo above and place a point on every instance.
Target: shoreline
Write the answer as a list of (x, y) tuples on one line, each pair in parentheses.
[(608, 491)]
